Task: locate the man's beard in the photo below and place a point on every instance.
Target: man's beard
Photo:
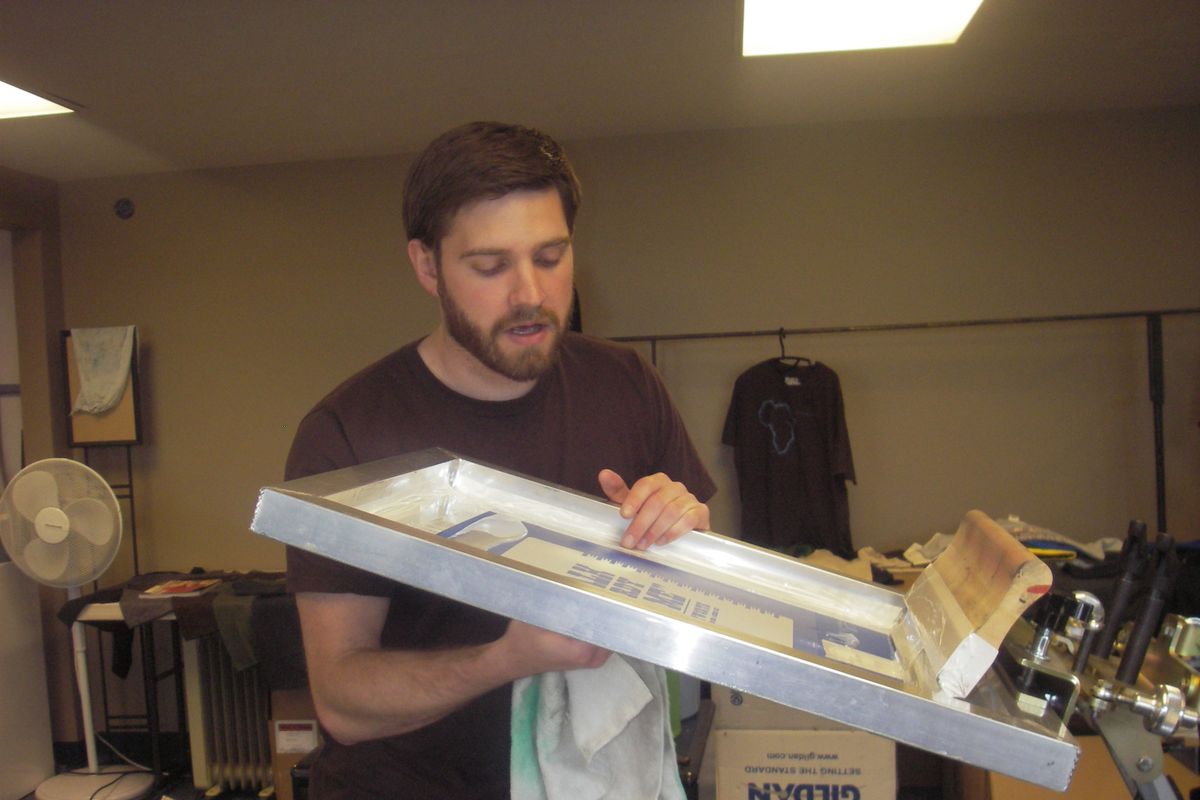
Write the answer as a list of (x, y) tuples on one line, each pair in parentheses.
[(525, 365)]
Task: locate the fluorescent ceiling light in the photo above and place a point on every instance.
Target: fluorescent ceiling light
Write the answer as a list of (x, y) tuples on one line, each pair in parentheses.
[(16, 102), (773, 27)]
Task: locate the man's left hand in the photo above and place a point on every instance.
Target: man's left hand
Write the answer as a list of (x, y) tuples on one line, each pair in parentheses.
[(660, 510)]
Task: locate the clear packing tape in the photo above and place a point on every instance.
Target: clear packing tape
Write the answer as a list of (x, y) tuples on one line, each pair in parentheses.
[(966, 601)]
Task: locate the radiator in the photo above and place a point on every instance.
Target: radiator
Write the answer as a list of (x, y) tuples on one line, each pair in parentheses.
[(228, 714)]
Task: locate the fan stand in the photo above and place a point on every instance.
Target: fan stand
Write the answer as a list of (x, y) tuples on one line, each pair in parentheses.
[(107, 783)]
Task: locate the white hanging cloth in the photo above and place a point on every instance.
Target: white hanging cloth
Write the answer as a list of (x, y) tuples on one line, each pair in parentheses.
[(103, 357)]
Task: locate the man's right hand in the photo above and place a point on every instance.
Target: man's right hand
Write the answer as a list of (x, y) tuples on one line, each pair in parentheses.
[(535, 650), (363, 691)]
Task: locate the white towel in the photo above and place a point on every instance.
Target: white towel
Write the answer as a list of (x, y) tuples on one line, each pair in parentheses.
[(102, 359), (597, 733)]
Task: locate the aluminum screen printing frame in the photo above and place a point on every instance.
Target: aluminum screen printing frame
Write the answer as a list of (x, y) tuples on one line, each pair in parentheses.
[(708, 606)]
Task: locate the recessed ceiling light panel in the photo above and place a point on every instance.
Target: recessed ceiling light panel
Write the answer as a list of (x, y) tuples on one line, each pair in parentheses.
[(775, 27), (16, 102)]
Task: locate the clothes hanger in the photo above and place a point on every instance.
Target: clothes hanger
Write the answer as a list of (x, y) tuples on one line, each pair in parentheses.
[(790, 362)]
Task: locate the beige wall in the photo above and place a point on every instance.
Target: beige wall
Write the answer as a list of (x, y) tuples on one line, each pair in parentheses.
[(255, 290), (875, 223)]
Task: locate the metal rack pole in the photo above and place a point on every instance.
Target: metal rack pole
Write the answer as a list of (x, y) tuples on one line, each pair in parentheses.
[(1157, 395), (1153, 340), (902, 326)]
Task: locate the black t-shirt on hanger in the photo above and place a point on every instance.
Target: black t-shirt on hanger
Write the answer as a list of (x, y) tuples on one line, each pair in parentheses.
[(787, 426)]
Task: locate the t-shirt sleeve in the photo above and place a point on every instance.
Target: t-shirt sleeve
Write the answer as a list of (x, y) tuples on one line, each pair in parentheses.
[(320, 446), (842, 461), (729, 434), (678, 458)]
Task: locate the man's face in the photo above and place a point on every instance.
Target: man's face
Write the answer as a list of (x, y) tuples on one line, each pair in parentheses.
[(504, 281)]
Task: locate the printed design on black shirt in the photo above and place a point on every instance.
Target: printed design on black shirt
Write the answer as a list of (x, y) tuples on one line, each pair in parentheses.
[(777, 418)]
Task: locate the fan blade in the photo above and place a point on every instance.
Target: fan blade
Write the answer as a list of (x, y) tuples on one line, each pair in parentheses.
[(33, 491), (47, 561), (91, 519)]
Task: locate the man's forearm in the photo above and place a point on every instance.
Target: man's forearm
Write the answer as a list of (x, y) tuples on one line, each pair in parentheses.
[(370, 694)]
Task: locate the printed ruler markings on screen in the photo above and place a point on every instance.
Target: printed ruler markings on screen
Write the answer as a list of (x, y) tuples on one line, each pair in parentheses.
[(570, 562), (633, 576)]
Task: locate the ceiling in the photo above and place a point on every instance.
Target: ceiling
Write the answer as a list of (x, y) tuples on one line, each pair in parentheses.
[(184, 84)]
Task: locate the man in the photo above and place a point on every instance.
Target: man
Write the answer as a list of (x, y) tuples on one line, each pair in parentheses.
[(413, 690)]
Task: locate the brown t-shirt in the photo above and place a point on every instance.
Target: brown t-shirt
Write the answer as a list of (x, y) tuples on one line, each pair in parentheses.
[(601, 406)]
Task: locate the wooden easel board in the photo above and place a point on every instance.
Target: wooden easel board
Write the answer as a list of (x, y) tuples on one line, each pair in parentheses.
[(121, 424)]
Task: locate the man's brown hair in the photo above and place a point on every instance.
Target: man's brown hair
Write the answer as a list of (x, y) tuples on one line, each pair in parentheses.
[(482, 161)]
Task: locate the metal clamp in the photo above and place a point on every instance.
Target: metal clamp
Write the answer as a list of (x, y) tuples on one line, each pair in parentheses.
[(1164, 713)]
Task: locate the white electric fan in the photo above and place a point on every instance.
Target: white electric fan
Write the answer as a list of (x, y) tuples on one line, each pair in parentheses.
[(61, 525)]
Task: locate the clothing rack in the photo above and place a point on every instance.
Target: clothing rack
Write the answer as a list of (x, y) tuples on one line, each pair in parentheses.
[(1153, 341)]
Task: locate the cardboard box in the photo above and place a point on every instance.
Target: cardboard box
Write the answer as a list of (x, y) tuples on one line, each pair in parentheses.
[(760, 750), (293, 735), (804, 764), (735, 710)]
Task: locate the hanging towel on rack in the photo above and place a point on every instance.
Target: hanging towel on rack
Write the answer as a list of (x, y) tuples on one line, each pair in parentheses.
[(102, 359), (589, 734)]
